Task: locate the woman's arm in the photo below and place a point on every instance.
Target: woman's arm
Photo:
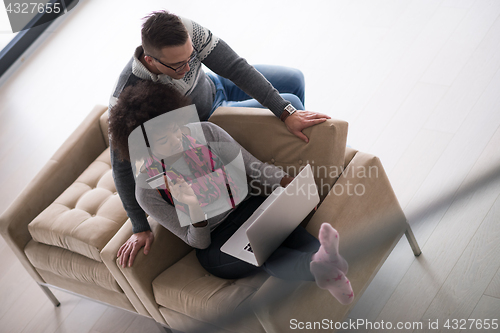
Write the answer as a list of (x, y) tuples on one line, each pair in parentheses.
[(166, 214)]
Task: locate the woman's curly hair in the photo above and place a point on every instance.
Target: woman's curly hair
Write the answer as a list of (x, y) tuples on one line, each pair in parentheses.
[(136, 105)]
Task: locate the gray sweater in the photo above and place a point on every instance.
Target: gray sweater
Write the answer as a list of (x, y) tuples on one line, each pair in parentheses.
[(166, 214), (214, 53), (221, 59)]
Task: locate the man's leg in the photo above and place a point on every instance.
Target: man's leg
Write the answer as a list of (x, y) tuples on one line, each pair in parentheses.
[(252, 103), (288, 81)]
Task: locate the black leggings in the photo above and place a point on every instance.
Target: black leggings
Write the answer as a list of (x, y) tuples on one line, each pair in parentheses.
[(289, 262)]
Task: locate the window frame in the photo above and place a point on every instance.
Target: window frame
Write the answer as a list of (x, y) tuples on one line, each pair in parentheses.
[(26, 37)]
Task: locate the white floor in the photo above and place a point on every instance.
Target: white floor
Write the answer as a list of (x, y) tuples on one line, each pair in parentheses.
[(418, 81)]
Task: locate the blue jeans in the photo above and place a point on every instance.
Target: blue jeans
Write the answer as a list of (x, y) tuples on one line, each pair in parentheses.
[(289, 262), (288, 81)]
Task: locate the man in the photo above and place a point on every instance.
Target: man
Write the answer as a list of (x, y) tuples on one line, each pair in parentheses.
[(172, 52)]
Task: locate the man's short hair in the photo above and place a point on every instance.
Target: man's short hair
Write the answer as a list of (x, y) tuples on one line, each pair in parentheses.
[(162, 29)]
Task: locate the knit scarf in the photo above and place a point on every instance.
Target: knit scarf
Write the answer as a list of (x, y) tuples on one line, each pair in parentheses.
[(209, 179)]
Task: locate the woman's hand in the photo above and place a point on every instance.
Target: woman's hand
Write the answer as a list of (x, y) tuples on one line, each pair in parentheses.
[(183, 192), (285, 181)]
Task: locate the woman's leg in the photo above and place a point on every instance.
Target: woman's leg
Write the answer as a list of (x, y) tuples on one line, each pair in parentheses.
[(219, 263), (303, 257), (292, 259), (329, 268), (300, 257)]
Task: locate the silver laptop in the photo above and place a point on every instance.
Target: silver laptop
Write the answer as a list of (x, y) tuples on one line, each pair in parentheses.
[(274, 220)]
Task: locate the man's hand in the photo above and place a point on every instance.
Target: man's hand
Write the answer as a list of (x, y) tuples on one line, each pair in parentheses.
[(131, 247), (303, 119)]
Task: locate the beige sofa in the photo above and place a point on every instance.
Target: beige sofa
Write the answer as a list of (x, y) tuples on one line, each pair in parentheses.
[(68, 237)]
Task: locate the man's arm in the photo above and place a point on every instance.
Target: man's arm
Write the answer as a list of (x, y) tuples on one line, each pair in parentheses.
[(125, 186), (225, 62)]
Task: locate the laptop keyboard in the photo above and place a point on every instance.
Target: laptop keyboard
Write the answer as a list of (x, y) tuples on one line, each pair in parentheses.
[(248, 248)]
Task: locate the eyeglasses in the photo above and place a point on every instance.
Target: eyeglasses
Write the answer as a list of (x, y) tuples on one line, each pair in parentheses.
[(181, 67)]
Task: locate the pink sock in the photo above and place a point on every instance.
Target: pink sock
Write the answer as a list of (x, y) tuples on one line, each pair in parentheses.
[(332, 279), (329, 268), (329, 249)]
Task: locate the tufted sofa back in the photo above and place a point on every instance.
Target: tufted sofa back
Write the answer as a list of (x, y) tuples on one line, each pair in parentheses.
[(86, 215)]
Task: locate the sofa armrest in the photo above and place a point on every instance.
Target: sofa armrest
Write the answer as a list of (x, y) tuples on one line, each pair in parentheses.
[(108, 256), (363, 207), (165, 251), (69, 161), (105, 126), (370, 222)]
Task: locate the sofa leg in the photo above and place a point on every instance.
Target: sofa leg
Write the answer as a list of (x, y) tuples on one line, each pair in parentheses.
[(50, 295), (413, 241)]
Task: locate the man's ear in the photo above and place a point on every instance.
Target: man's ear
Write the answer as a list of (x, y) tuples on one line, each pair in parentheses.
[(148, 59)]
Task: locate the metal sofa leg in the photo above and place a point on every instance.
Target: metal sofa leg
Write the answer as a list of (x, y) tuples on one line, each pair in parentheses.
[(50, 295), (412, 240)]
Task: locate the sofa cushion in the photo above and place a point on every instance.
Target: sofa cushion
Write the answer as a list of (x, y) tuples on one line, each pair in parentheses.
[(183, 323), (86, 215), (271, 142), (187, 288), (71, 265), (90, 290)]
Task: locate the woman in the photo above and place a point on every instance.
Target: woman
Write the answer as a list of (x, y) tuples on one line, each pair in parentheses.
[(161, 148)]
